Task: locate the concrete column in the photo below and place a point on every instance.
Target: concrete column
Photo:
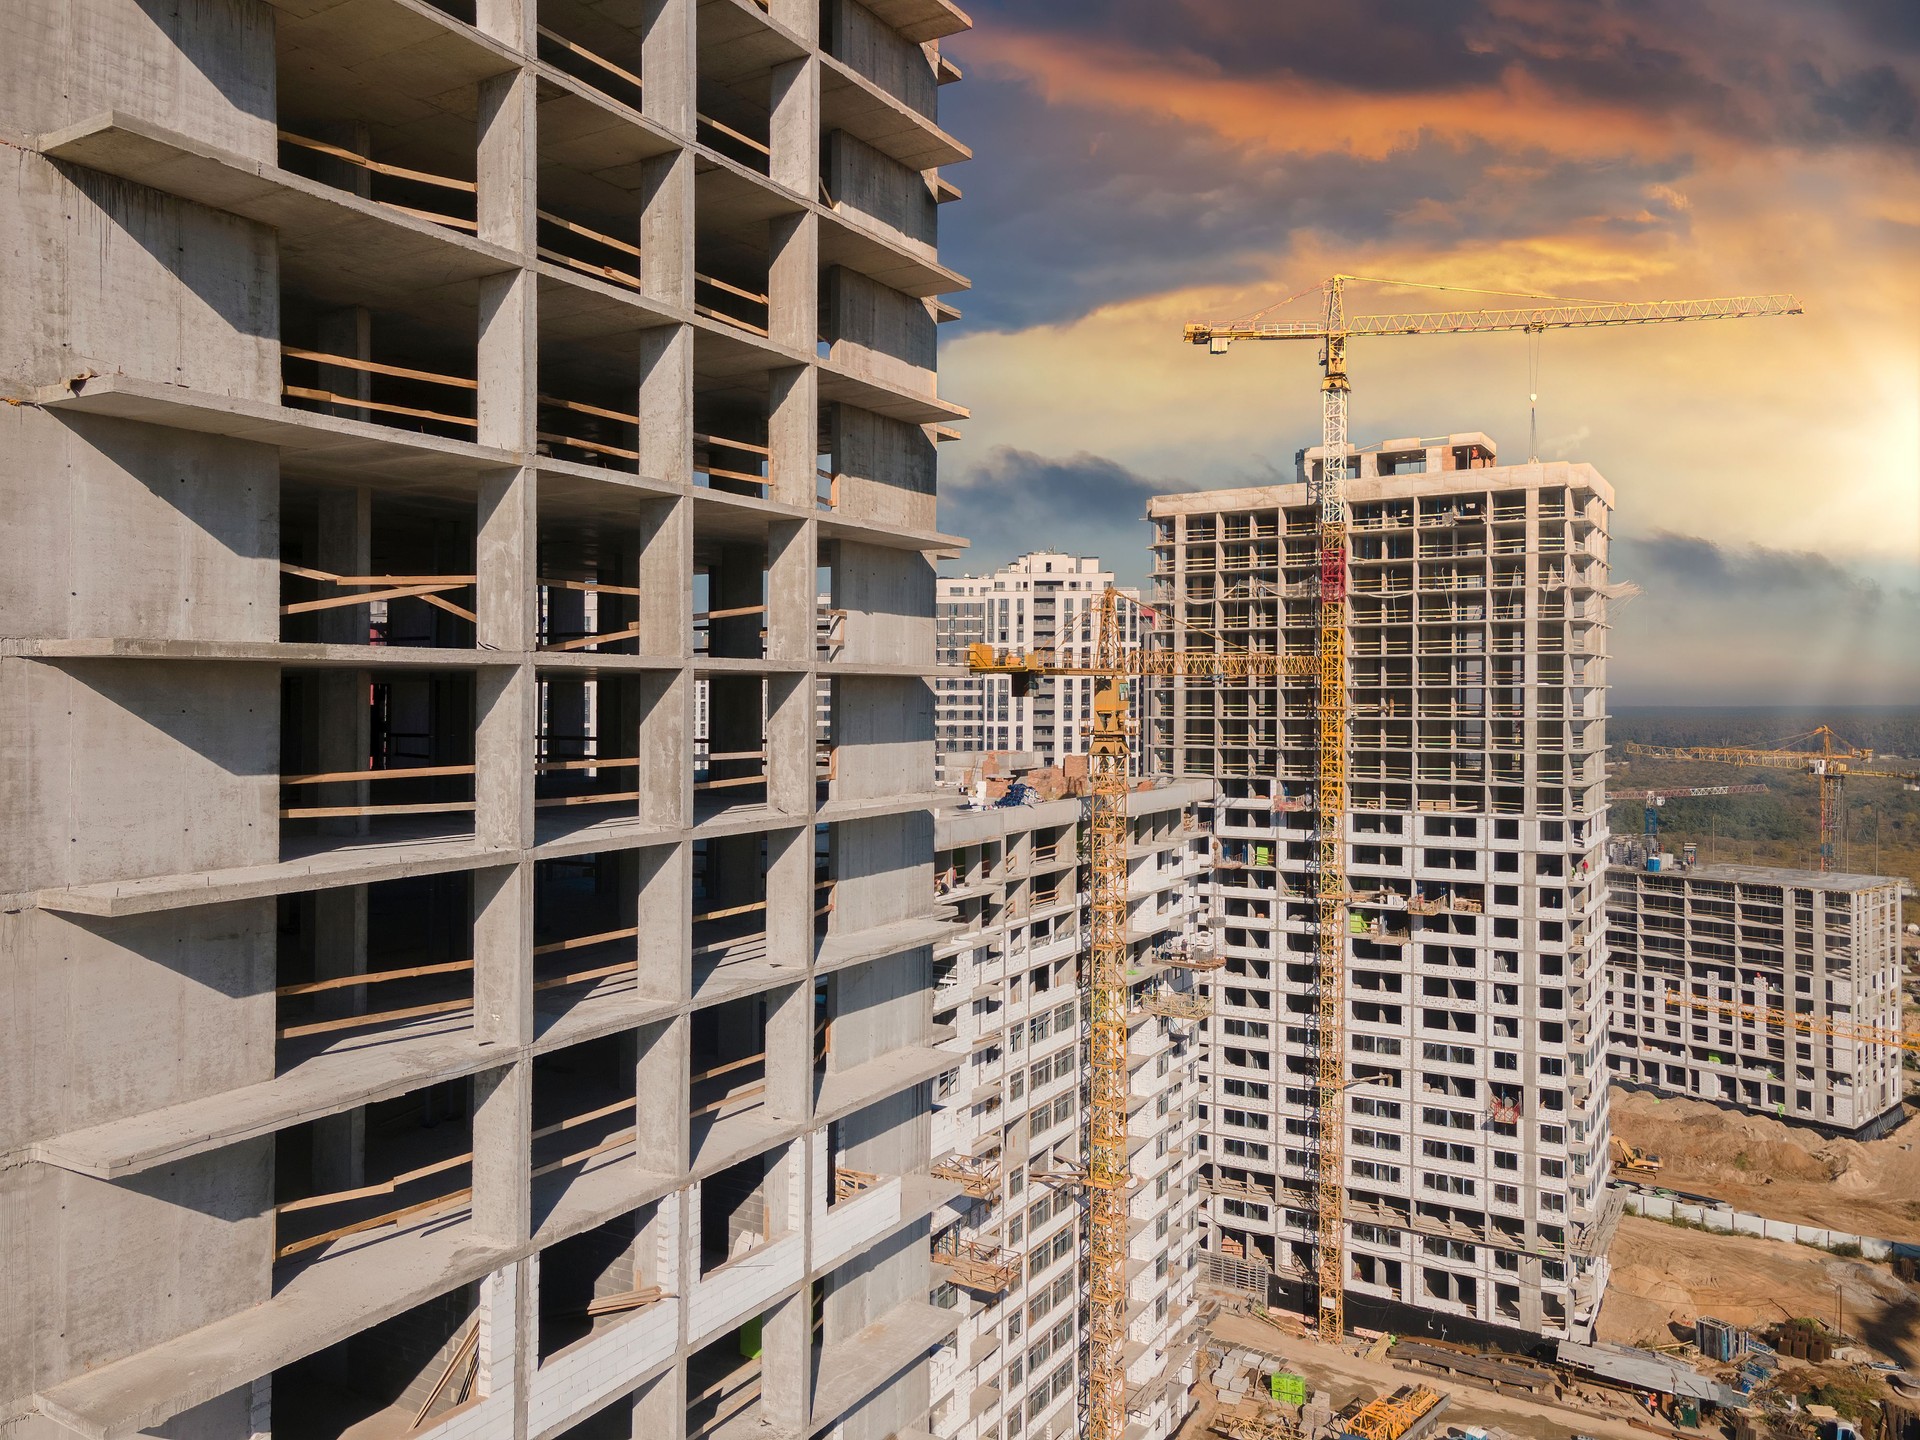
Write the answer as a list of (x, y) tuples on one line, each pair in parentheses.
[(509, 21), (506, 531), (345, 547), (669, 63), (503, 757), (665, 901), (793, 280), (502, 1149), (661, 1131), (792, 591), (793, 435), (786, 1370), (790, 1045), (794, 122), (660, 1406), (347, 332), (502, 947), (503, 697), (664, 562), (666, 409), (340, 948), (791, 897), (665, 706), (341, 174), (791, 726)]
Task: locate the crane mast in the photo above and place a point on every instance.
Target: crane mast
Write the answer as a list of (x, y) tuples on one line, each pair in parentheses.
[(1327, 493), (1330, 819)]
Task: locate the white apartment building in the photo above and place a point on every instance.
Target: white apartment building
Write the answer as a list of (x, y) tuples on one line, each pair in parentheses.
[(1043, 601), (1476, 1141), (1698, 956), (1009, 1119)]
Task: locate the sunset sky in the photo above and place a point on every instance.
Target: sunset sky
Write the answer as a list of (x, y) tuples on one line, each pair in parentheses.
[(1141, 163)]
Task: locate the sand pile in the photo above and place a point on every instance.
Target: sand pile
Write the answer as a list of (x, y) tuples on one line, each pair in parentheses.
[(1782, 1171), (1662, 1273)]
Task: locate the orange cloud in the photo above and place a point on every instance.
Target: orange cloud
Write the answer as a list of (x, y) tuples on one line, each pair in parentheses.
[(1299, 116)]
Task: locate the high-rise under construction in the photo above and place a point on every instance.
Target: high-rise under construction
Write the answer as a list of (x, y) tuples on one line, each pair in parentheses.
[(1474, 1116), (422, 1014)]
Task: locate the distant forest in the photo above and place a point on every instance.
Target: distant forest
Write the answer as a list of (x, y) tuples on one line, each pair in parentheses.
[(1887, 730), (1881, 834)]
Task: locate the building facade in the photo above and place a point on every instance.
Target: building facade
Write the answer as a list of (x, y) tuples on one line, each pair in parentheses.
[(1476, 1123), (1010, 1119), (1044, 601), (422, 1019), (1698, 959)]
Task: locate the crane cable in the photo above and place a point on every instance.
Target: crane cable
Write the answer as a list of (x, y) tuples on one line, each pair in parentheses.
[(1534, 337)]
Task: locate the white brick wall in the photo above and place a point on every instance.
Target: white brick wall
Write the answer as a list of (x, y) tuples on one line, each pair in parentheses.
[(743, 1287), (585, 1375), (852, 1224), (476, 1420)]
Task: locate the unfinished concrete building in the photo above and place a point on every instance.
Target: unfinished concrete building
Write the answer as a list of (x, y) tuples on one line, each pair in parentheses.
[(417, 1021), (1698, 957), (1044, 601), (1009, 1127), (1476, 1132)]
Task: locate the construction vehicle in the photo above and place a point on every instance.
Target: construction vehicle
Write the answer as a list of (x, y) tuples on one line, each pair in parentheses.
[(1657, 798), (1632, 1160), (1327, 487), (1830, 765)]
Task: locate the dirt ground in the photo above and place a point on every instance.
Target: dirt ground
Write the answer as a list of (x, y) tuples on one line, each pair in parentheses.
[(1347, 1376), (1664, 1273), (1784, 1172)]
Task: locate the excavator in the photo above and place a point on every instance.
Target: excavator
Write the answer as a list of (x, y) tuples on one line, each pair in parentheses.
[(1632, 1160)]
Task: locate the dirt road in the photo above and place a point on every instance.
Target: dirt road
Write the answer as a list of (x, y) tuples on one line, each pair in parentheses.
[(1785, 1172)]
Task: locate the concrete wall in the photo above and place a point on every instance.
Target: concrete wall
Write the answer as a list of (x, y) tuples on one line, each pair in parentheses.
[(108, 259), (204, 69), (125, 769), (886, 469), (136, 532), (99, 1270), (170, 1008)]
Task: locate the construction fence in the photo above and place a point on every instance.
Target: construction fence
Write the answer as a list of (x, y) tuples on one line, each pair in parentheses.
[(1729, 1221)]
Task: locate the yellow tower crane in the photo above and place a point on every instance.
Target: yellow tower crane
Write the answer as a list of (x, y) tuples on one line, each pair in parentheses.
[(1798, 1022), (1328, 490), (1830, 765), (1106, 976)]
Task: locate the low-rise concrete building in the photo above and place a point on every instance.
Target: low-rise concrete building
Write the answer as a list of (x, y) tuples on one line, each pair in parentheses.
[(1701, 957)]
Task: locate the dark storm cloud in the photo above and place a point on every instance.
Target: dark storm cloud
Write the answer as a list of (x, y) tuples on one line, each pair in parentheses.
[(1374, 46), (1835, 72), (1015, 501), (1070, 208), (1693, 562)]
